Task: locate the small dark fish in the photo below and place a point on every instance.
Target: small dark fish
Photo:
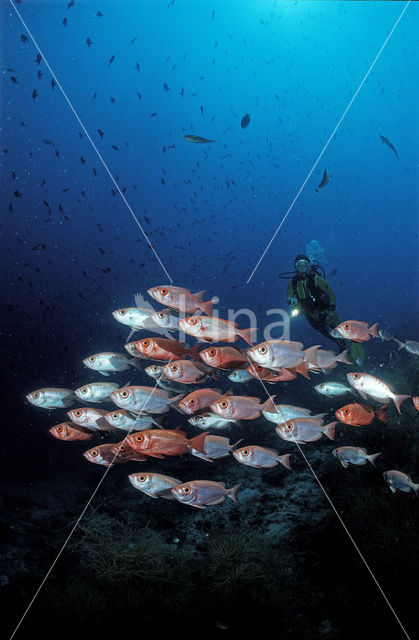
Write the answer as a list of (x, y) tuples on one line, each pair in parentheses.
[(212, 15), (245, 121), (324, 182), (57, 153), (39, 74), (137, 66), (13, 79), (66, 189), (139, 96), (99, 14), (24, 38), (39, 246), (48, 142), (64, 22), (71, 4), (133, 40), (107, 270), (112, 99), (38, 58), (386, 336), (181, 92), (22, 123), (17, 194), (386, 141), (100, 132), (53, 83), (111, 60), (82, 160), (197, 139), (115, 148), (34, 94), (201, 108), (89, 42), (166, 87), (153, 115)]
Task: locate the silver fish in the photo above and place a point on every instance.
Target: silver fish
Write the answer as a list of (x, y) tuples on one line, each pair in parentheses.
[(325, 180), (108, 362), (332, 389), (165, 319), (201, 493), (304, 430), (190, 137), (122, 419), (410, 345), (286, 412), (154, 485), (52, 398), (209, 420), (135, 318), (148, 399), (90, 417), (214, 447), (397, 480), (354, 455), (261, 457), (96, 391), (240, 375)]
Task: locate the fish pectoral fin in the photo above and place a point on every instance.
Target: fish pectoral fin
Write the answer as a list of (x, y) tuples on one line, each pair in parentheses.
[(216, 500), (104, 373), (344, 464), (392, 489)]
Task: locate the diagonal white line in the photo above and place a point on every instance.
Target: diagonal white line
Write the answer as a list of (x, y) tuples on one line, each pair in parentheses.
[(337, 514), (92, 143), (326, 145), (80, 517)]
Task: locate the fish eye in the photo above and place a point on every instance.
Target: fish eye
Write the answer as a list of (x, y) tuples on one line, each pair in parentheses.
[(145, 343), (78, 413), (84, 390), (59, 429), (163, 292), (245, 452), (142, 478), (289, 427), (122, 312), (155, 368), (224, 404), (356, 376), (122, 448), (262, 350), (192, 321), (94, 453), (346, 326), (174, 367), (139, 438), (192, 401), (160, 315), (36, 395), (186, 490), (115, 416), (212, 352), (321, 386), (337, 450), (92, 359), (124, 394), (346, 412)]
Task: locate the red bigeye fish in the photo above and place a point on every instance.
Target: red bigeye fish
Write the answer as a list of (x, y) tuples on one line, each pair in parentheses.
[(214, 329), (165, 349), (102, 454), (241, 407), (123, 450), (187, 372), (159, 443), (201, 493), (357, 331), (261, 373), (200, 399), (261, 457), (368, 385), (70, 431), (358, 414), (224, 357), (181, 299)]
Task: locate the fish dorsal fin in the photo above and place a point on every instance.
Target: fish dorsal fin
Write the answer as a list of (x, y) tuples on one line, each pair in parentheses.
[(230, 393), (199, 295)]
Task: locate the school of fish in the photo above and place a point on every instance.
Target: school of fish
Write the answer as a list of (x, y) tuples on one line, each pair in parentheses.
[(180, 375)]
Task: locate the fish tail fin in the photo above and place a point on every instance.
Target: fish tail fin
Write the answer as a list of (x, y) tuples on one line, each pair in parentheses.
[(285, 460), (206, 307), (372, 457), (159, 421), (247, 335), (234, 491), (198, 442), (343, 357), (415, 488), (320, 416), (373, 330), (303, 369), (329, 430), (381, 413), (194, 351), (310, 355), (269, 405), (398, 400)]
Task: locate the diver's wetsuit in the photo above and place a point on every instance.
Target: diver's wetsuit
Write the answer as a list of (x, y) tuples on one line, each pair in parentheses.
[(316, 301)]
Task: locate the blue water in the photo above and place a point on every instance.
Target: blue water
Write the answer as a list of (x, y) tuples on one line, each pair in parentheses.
[(209, 210)]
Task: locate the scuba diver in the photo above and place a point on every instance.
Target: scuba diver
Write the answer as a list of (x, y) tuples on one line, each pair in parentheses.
[(310, 294)]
